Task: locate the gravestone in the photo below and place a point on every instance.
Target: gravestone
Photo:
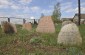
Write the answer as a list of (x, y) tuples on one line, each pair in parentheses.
[(27, 26), (45, 25), (82, 21), (8, 27), (66, 22), (69, 35)]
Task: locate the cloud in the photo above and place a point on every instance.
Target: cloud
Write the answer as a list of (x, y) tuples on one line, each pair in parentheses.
[(47, 11), (82, 10), (4, 15), (51, 6), (75, 10), (12, 4), (66, 6), (32, 17), (67, 3), (4, 2), (83, 4), (4, 6), (25, 1), (15, 7), (8, 4), (22, 15), (35, 8), (26, 9), (70, 10)]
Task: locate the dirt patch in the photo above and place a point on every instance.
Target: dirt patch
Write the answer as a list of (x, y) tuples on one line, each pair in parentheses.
[(32, 48)]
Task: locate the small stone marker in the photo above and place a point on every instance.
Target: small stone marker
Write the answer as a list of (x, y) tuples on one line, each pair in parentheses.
[(46, 25), (82, 21), (8, 27), (27, 26), (69, 35)]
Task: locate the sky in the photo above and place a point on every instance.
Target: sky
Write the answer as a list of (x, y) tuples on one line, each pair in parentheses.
[(34, 8)]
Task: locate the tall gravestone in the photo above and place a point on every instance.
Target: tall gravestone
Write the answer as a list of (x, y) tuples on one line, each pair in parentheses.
[(69, 35), (45, 25)]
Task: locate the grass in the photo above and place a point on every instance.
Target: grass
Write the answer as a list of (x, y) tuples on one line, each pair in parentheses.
[(19, 43)]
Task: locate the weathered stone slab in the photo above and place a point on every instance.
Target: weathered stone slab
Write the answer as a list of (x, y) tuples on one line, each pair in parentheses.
[(46, 25), (8, 27), (27, 26), (69, 35)]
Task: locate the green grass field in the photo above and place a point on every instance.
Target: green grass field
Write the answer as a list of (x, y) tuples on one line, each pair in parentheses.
[(32, 43)]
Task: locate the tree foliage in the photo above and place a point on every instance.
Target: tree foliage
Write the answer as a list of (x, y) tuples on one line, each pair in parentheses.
[(56, 13)]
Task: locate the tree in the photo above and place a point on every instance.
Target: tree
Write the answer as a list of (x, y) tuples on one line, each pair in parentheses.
[(56, 13)]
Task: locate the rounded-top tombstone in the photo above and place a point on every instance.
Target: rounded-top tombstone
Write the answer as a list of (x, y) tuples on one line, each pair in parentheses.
[(8, 27), (69, 35), (66, 22)]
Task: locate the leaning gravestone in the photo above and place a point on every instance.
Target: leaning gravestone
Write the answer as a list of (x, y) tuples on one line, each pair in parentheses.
[(46, 25), (69, 35), (8, 27), (27, 26), (65, 23)]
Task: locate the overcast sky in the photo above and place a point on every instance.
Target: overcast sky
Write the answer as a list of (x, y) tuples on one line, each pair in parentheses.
[(34, 8)]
